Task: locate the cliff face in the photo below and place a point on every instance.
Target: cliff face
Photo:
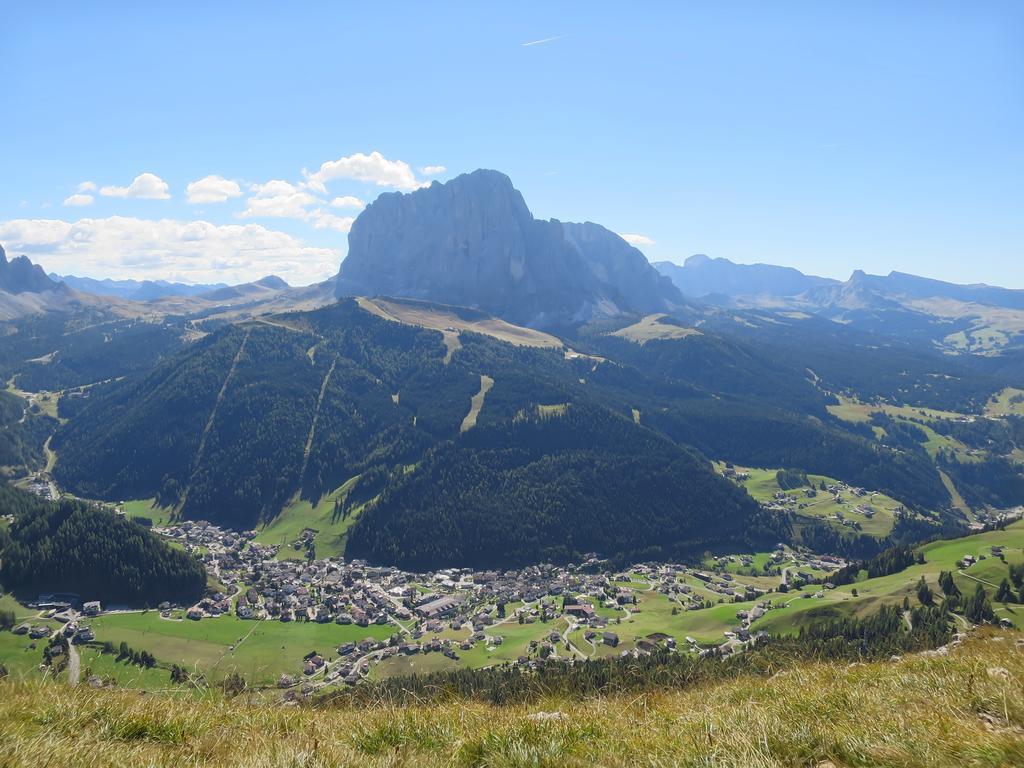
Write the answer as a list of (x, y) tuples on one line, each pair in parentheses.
[(473, 242), (19, 275)]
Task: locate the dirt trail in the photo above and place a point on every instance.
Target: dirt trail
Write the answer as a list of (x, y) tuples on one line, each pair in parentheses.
[(213, 414), (312, 426), (74, 665)]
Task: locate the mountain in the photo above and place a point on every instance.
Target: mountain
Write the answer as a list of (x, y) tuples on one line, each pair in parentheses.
[(702, 276), (239, 426), (134, 290), (22, 276), (934, 313), (473, 242), (256, 290), (26, 290)]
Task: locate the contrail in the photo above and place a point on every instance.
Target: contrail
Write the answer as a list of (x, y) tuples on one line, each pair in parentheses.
[(541, 42)]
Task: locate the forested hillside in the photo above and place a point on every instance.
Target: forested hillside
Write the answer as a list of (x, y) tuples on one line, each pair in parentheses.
[(57, 351), (72, 547), (23, 431), (257, 414), (551, 487)]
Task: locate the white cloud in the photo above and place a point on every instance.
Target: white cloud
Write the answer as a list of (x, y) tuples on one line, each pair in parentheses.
[(280, 199), (78, 200), (145, 186), (636, 239), (212, 189), (373, 168), (189, 251), (322, 220), (87, 186), (347, 202), (432, 170)]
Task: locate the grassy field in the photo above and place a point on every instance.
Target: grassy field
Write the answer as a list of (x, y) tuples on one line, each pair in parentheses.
[(45, 401), (124, 674), (147, 508), (762, 486), (653, 327), (1006, 402), (939, 556), (8, 603), (18, 655), (857, 412), (850, 409), (260, 651), (963, 709), (446, 321), (287, 527), (477, 403)]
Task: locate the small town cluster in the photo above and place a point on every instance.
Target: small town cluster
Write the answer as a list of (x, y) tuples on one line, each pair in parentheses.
[(422, 607)]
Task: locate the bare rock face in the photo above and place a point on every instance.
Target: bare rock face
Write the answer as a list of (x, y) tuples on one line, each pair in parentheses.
[(473, 242), (19, 275)]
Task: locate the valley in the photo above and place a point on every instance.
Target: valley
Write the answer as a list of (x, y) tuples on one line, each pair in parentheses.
[(359, 490)]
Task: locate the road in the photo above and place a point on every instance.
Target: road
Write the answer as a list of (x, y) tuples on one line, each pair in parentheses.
[(74, 664), (980, 581)]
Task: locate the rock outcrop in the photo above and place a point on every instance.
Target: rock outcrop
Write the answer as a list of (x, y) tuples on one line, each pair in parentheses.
[(473, 242), (19, 275)]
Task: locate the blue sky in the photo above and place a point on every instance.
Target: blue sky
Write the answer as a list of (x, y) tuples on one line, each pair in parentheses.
[(825, 136)]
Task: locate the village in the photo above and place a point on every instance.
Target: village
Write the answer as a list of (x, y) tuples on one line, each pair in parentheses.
[(451, 612), (457, 615)]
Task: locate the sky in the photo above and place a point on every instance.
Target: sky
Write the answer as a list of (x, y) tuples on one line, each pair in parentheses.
[(209, 142)]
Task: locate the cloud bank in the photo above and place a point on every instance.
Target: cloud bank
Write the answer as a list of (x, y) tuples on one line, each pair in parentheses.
[(189, 251)]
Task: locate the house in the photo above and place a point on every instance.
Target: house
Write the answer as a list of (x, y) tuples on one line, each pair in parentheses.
[(439, 608), (92, 608), (580, 611), (83, 635), (610, 638)]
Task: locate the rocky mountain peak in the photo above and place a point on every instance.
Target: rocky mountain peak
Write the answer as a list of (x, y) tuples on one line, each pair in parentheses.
[(473, 242), (19, 275)]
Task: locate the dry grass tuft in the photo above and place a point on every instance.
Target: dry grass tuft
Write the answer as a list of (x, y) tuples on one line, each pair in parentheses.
[(918, 712)]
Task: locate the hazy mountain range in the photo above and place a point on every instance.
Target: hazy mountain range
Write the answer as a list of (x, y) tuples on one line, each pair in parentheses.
[(135, 290)]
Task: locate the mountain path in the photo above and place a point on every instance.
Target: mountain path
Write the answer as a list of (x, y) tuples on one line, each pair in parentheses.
[(213, 414), (74, 665), (312, 426)]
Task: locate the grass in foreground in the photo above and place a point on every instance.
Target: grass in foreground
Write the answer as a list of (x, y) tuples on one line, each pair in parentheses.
[(963, 709)]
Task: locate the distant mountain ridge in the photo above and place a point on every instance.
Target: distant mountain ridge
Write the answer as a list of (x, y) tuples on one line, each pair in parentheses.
[(134, 290), (703, 276), (957, 318), (473, 242)]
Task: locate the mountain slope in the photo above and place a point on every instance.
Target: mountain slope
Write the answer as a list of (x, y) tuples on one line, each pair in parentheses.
[(554, 486), (473, 242)]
